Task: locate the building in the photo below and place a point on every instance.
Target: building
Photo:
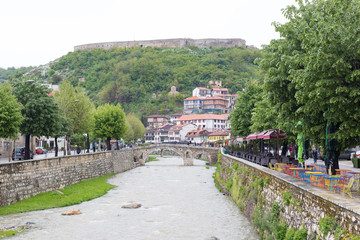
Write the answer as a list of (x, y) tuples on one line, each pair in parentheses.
[(161, 134), (215, 83), (231, 98), (173, 91), (197, 136), (174, 117), (210, 122), (214, 105), (192, 105), (149, 136), (155, 121), (218, 91), (7, 145), (201, 92), (178, 133), (219, 136)]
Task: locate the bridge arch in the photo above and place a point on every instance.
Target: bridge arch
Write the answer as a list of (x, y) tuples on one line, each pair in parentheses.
[(186, 152)]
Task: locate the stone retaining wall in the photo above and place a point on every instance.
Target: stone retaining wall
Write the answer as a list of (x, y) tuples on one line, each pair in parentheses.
[(302, 204), (23, 179)]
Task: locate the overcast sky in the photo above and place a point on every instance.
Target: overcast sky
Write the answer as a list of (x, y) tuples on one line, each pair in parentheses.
[(34, 32)]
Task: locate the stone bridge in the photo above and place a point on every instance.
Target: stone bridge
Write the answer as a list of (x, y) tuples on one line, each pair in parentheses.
[(187, 152)]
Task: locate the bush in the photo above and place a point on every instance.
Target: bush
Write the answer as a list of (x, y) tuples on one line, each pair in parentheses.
[(290, 234), (301, 234)]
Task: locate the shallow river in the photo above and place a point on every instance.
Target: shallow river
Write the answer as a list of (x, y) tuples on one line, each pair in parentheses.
[(178, 202)]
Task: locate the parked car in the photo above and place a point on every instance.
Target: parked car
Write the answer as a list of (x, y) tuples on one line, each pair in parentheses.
[(40, 150), (19, 153)]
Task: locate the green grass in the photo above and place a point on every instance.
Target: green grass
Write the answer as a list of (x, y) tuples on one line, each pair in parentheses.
[(74, 194), (8, 233), (152, 159)]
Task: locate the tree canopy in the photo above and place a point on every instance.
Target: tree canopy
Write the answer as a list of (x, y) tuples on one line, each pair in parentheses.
[(110, 122), (10, 113), (313, 71), (135, 129)]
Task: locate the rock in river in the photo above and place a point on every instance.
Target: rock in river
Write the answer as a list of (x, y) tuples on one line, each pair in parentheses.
[(72, 212), (131, 205)]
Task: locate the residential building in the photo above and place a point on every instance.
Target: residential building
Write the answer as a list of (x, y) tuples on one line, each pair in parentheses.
[(173, 91), (197, 136), (150, 136), (231, 98), (162, 133), (210, 122), (214, 105), (192, 105), (178, 133), (219, 136), (155, 121), (217, 91), (174, 117), (201, 92)]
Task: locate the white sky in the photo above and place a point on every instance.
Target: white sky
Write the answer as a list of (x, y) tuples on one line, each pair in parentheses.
[(34, 32)]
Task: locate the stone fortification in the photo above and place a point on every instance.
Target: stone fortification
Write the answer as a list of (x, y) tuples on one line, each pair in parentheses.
[(169, 43)]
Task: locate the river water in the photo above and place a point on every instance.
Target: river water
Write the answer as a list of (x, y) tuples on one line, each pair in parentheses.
[(178, 203)]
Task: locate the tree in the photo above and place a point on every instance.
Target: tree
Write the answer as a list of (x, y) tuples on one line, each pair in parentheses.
[(313, 71), (40, 111), (10, 113), (110, 123), (241, 116), (63, 128), (135, 128), (77, 107)]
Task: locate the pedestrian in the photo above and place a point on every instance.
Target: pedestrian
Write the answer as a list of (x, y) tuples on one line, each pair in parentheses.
[(315, 154)]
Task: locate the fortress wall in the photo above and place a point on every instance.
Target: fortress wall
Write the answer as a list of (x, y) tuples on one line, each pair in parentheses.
[(167, 43)]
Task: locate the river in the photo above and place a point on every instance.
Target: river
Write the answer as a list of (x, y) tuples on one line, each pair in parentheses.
[(178, 203)]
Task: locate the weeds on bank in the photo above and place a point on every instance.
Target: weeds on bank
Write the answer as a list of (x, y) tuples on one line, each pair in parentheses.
[(9, 233), (74, 194), (152, 159)]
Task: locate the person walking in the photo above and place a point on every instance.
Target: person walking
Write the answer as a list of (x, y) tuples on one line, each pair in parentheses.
[(314, 154)]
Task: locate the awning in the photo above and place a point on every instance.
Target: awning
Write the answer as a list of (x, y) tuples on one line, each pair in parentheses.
[(251, 136), (269, 134), (274, 134)]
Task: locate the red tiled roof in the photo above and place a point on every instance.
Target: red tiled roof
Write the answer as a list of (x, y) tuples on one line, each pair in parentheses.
[(219, 133), (202, 88), (203, 117), (220, 89), (226, 95), (191, 98), (197, 133)]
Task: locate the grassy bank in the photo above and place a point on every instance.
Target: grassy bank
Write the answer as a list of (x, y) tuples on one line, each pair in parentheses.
[(70, 195), (8, 233), (152, 159)]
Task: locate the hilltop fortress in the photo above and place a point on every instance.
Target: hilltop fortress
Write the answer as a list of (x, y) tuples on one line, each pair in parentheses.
[(170, 43)]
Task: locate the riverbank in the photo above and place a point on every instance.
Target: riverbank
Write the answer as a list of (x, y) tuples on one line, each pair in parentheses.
[(281, 206), (70, 195)]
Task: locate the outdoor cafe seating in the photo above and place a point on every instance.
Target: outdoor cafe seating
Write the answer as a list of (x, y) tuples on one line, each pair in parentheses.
[(344, 182)]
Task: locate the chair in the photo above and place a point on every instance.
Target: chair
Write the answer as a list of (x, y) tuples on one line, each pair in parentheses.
[(271, 167), (347, 188)]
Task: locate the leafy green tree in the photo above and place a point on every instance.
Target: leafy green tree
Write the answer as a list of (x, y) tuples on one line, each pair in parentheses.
[(40, 111), (110, 123), (136, 129), (10, 113), (77, 107), (129, 134), (312, 72), (241, 116)]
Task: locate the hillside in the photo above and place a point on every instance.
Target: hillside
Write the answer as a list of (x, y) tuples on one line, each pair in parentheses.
[(133, 76)]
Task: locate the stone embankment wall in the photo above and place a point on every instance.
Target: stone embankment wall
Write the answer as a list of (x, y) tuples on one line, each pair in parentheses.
[(276, 202), (169, 43), (23, 179)]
